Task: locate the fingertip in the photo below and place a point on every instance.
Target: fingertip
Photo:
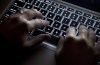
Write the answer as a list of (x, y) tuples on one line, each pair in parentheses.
[(71, 31), (38, 14), (44, 22), (82, 27)]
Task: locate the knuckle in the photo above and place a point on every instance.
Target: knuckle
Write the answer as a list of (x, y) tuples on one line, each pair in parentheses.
[(15, 17), (69, 37)]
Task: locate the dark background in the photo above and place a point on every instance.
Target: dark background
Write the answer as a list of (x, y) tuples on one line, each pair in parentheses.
[(90, 4)]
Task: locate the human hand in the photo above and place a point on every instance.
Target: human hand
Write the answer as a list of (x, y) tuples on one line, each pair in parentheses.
[(77, 50), (15, 27)]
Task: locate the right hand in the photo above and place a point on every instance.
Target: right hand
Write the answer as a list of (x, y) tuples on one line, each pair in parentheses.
[(77, 50)]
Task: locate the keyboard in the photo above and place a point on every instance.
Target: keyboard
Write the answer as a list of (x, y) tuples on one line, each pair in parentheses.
[(60, 16)]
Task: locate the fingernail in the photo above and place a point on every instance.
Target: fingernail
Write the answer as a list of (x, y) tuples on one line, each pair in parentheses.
[(44, 22)]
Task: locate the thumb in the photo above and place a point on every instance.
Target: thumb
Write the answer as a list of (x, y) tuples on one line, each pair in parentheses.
[(60, 45), (97, 47), (37, 40)]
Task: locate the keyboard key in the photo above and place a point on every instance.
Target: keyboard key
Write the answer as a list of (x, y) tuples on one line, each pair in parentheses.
[(66, 21), (90, 22), (19, 3), (97, 25), (50, 20), (74, 16), (47, 1), (81, 19), (74, 24), (58, 18), (56, 32), (95, 18), (55, 4), (64, 27), (51, 8), (66, 13), (48, 29), (28, 6), (50, 15), (43, 5), (14, 7), (9, 12), (29, 1), (35, 7), (64, 34), (44, 12), (36, 3), (62, 7), (78, 12), (98, 32), (58, 11), (70, 9), (87, 15), (56, 25)]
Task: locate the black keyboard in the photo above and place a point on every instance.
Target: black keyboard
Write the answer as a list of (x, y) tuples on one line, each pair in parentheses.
[(61, 17)]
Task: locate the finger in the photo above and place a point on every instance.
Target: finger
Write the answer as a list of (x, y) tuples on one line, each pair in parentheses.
[(92, 36), (29, 14), (71, 32), (97, 47), (83, 32), (37, 40), (38, 23), (60, 45)]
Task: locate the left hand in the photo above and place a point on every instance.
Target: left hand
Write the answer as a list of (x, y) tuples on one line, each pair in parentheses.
[(15, 27)]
